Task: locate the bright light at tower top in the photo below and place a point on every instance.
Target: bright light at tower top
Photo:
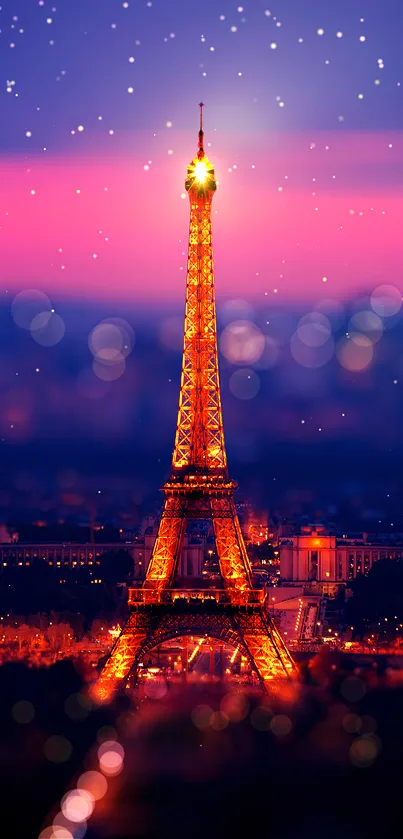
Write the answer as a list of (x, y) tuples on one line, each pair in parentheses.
[(200, 171), (200, 181)]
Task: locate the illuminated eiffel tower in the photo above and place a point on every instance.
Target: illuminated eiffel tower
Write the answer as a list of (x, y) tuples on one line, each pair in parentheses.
[(199, 487)]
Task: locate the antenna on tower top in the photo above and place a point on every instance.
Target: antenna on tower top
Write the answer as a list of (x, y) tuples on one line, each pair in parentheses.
[(200, 153)]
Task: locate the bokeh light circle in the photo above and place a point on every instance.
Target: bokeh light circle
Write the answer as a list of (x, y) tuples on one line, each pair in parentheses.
[(47, 329), (333, 309), (355, 353), (219, 720), (111, 340), (27, 304), (155, 687), (386, 301), (244, 384), (261, 718), (77, 805), (64, 827), (269, 355), (107, 745), (242, 342), (353, 689), (77, 706), (352, 723), (58, 749), (106, 342), (94, 782), (314, 329), (235, 309), (23, 712), (311, 356), (105, 733), (363, 751), (280, 725), (202, 716), (127, 332), (110, 756), (111, 763), (367, 323), (109, 372), (56, 832), (235, 706)]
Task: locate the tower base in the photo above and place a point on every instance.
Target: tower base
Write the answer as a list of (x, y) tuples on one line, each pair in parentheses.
[(208, 612)]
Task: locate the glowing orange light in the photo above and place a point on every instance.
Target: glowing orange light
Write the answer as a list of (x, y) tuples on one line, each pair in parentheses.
[(110, 756), (200, 171), (95, 783)]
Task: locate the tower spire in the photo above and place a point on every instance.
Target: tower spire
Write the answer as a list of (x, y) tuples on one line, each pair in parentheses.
[(200, 153)]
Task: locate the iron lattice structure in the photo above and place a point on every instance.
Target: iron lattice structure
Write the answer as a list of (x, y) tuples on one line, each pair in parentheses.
[(199, 487)]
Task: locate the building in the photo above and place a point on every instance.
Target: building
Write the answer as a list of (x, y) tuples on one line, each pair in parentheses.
[(6, 536), (256, 528), (69, 555), (255, 524), (56, 554), (315, 558), (298, 612)]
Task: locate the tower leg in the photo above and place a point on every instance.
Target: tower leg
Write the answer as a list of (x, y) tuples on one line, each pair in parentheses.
[(266, 648), (123, 657), (168, 545), (234, 561)]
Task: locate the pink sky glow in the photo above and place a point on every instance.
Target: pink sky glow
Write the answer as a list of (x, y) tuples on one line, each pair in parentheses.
[(270, 230)]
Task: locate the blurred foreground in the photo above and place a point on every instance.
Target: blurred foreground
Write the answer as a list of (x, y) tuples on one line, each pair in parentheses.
[(202, 760)]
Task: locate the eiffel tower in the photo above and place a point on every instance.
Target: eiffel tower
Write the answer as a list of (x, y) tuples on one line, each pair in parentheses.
[(199, 487)]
